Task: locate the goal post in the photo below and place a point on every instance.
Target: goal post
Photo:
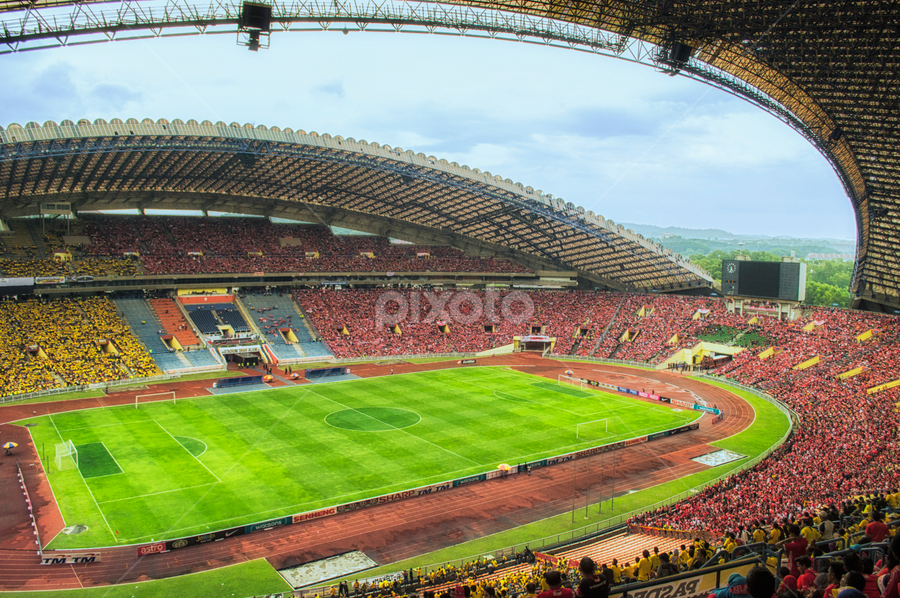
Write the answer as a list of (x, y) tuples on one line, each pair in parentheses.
[(156, 396), (66, 456), (571, 381), (598, 429)]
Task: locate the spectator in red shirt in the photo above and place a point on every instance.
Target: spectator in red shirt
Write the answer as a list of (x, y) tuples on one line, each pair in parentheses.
[(891, 581), (554, 580), (807, 577), (795, 547), (877, 530)]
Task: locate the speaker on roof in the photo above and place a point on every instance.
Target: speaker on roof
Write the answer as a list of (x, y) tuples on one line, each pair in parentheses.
[(680, 52), (256, 16)]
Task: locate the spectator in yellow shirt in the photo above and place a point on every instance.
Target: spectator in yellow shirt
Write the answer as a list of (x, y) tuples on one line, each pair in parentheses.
[(759, 535), (644, 567)]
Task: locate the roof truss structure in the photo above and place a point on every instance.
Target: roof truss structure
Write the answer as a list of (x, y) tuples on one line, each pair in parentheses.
[(256, 170), (829, 69)]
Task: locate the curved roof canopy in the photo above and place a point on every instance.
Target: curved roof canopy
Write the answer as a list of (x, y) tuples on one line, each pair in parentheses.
[(257, 170), (830, 69)]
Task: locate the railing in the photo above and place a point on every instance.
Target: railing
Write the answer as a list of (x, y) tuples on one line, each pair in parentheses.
[(83, 387), (387, 357), (37, 533), (793, 415), (198, 369), (639, 364)]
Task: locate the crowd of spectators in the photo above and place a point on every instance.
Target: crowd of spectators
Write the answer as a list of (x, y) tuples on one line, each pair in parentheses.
[(128, 246), (656, 320), (348, 319), (186, 245), (66, 342), (846, 438), (823, 552), (16, 264)]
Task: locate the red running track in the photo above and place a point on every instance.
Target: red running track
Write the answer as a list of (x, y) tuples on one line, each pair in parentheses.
[(386, 533)]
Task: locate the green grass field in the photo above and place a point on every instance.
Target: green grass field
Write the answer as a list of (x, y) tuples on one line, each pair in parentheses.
[(169, 470)]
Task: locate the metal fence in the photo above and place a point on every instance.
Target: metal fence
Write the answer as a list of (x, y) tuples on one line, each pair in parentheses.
[(83, 387), (367, 358)]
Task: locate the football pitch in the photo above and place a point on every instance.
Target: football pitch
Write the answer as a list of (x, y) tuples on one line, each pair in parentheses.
[(168, 470)]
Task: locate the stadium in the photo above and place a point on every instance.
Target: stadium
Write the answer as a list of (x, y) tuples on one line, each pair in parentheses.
[(389, 374)]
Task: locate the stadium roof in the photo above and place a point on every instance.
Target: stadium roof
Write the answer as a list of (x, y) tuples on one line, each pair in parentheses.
[(829, 69), (332, 180)]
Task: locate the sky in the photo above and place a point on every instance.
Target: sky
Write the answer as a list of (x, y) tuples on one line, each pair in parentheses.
[(621, 139)]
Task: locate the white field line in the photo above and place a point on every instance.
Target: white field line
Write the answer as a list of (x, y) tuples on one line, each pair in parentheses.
[(187, 451), (398, 429), (157, 493)]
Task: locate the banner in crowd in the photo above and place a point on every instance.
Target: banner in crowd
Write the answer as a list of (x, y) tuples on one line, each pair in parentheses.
[(686, 587), (885, 386), (45, 279), (555, 560)]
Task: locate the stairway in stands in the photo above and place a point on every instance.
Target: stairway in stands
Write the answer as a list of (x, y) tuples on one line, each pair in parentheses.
[(145, 326), (623, 547), (139, 311), (173, 322)]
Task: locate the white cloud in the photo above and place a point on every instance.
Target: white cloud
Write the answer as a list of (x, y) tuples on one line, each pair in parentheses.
[(617, 138)]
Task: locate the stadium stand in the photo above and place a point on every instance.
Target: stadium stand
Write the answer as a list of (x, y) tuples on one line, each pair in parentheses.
[(19, 243), (143, 321), (204, 320), (233, 318), (276, 314), (201, 358), (182, 245), (627, 556), (173, 321), (346, 319), (32, 267), (67, 342)]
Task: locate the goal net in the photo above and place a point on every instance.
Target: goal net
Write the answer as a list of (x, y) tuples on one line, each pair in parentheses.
[(571, 382), (157, 396), (598, 429), (66, 456)]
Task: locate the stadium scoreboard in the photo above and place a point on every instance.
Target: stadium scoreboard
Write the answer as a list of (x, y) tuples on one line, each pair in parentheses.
[(785, 281)]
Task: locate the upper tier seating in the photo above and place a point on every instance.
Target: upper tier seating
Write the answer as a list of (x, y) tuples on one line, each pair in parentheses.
[(184, 245)]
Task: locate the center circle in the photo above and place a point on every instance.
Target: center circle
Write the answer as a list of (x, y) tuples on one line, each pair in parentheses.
[(373, 419)]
